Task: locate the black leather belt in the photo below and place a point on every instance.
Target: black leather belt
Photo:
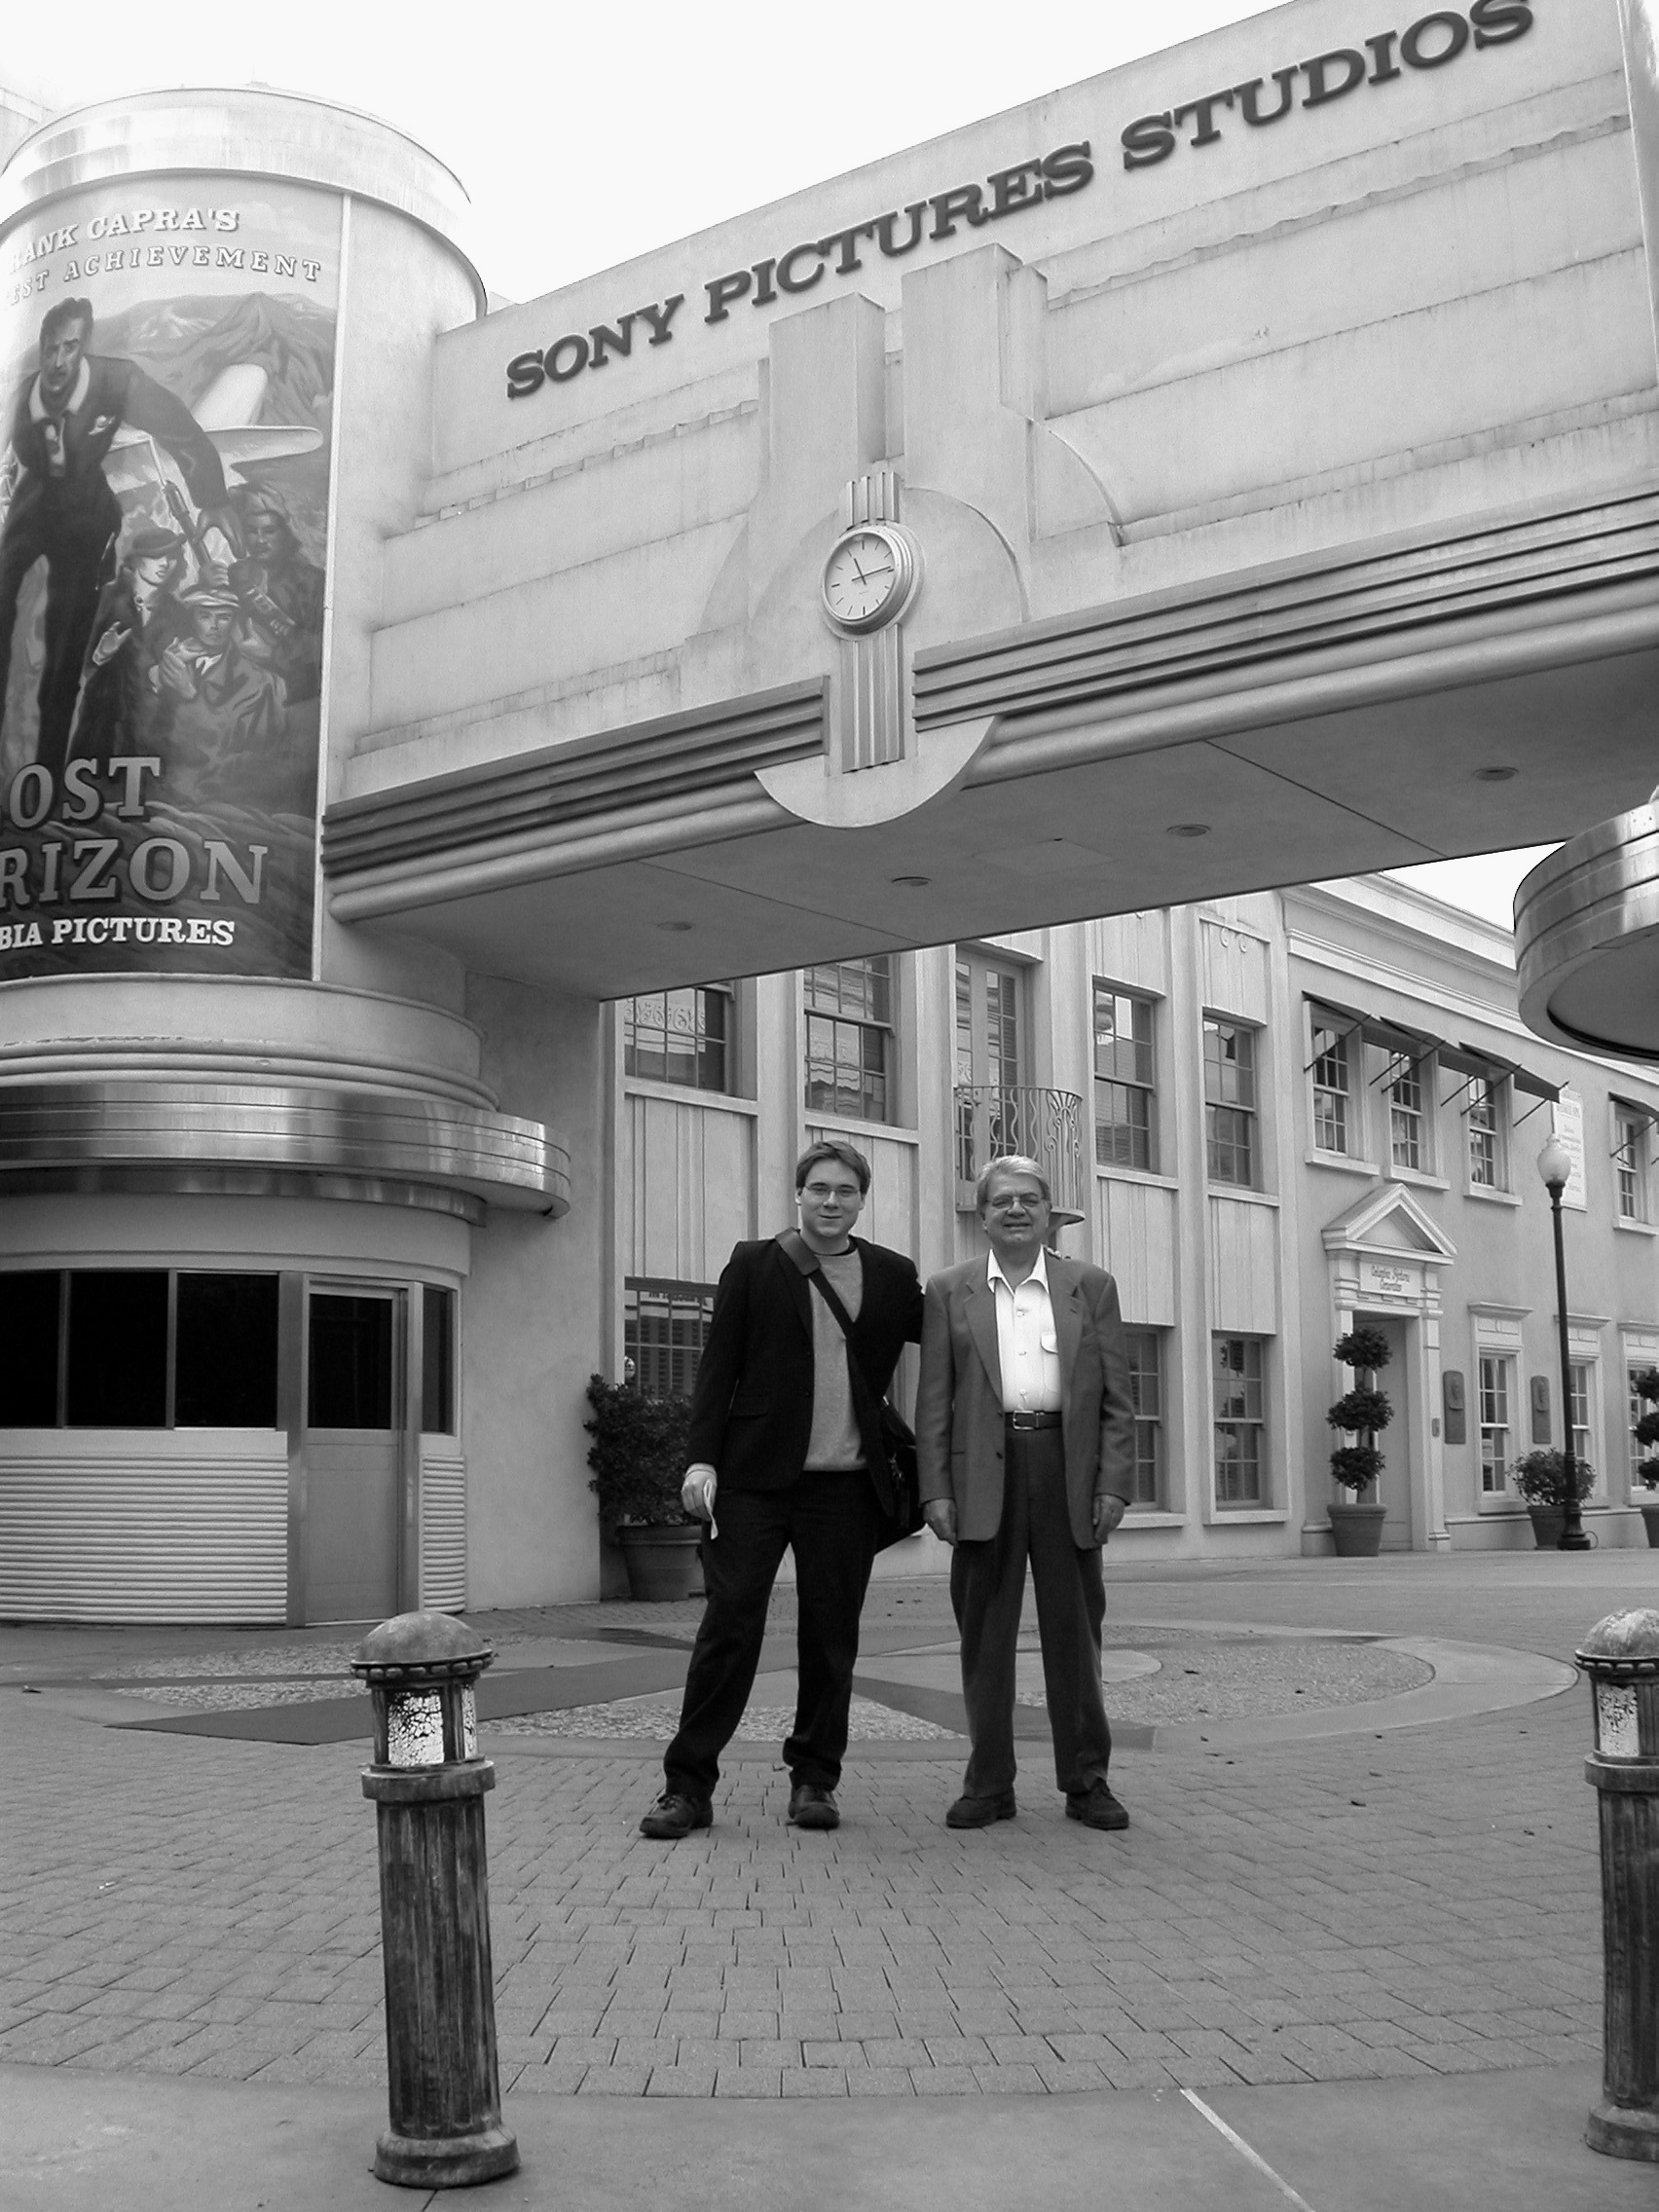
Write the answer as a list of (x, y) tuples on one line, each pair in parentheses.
[(1032, 1420)]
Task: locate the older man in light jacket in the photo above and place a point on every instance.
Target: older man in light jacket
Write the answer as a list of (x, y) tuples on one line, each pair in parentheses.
[(1025, 1441)]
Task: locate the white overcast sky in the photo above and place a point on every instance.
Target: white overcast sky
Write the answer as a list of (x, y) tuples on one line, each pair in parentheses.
[(587, 134)]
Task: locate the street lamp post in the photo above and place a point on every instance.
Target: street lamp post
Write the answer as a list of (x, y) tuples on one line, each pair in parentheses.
[(1555, 1165)]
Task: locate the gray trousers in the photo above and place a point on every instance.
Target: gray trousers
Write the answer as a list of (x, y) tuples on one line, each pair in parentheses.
[(988, 1590)]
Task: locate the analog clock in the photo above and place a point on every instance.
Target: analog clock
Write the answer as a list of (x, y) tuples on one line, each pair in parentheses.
[(868, 577)]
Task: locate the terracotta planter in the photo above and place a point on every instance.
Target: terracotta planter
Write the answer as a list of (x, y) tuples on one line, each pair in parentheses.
[(1650, 1516), (1548, 1521), (662, 1562), (1358, 1530)]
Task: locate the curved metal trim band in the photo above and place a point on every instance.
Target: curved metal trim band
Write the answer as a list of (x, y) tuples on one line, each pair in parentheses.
[(199, 1181), (245, 131), (1593, 903), (284, 1126)]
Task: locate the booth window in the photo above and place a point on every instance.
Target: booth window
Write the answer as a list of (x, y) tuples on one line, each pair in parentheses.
[(1497, 1387), (682, 1037), (849, 1037), (665, 1326), (1146, 1391), (438, 1361), (138, 1347), (1229, 1102), (1239, 1420), (1485, 1159), (1332, 1102), (1124, 1096), (1629, 1163)]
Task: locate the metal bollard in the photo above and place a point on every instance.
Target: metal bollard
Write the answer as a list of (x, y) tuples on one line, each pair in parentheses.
[(427, 1782), (1621, 1657)]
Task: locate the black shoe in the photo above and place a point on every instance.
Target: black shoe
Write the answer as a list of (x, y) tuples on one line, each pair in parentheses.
[(811, 1807), (1095, 1807), (981, 1812), (674, 1814)]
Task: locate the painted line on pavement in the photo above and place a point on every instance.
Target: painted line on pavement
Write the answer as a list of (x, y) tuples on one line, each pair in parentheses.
[(1244, 2151)]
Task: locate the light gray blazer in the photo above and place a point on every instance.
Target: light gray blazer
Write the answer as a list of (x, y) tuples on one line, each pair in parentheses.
[(959, 1408)]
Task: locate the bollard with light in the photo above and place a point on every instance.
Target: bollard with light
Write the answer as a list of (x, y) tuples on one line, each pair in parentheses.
[(428, 1784), (1621, 1657), (1555, 1165)]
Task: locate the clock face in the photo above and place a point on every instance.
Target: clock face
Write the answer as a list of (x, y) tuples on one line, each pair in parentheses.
[(866, 579)]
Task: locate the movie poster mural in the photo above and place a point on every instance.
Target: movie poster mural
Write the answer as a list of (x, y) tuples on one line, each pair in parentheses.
[(166, 374)]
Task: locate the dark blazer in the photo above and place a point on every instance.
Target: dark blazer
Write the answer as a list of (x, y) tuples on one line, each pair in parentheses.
[(117, 392), (959, 1408), (752, 1406)]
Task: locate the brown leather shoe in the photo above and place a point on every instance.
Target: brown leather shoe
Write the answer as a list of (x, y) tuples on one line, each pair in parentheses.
[(981, 1812), (812, 1807), (674, 1814), (1095, 1807)]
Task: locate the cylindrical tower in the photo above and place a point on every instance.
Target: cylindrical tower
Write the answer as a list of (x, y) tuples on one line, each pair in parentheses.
[(242, 1153)]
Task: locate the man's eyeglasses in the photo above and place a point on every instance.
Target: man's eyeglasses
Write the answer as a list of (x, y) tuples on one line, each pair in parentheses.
[(823, 1191), (1027, 1201)]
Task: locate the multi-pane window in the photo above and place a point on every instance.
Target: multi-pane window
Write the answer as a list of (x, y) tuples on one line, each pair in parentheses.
[(1407, 1130), (665, 1326), (1636, 1406), (1580, 1375), (1124, 1126), (1630, 1135), (1333, 1100), (1240, 1414), (681, 1037), (1146, 1391), (1480, 1116), (1229, 1102), (438, 1361), (849, 1037), (1496, 1385), (137, 1348)]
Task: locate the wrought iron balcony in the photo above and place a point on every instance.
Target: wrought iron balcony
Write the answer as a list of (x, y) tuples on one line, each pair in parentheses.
[(1047, 1125)]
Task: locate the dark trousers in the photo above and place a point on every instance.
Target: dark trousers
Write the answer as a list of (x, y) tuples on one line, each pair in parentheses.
[(80, 558), (988, 1590), (830, 1523)]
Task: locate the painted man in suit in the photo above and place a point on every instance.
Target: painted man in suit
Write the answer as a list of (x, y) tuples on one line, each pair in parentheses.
[(61, 429), (1025, 1444), (786, 1451)]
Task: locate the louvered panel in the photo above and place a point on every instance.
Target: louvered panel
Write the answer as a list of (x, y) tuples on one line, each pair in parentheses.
[(443, 1533), (1243, 1285), (1138, 1228), (143, 1534)]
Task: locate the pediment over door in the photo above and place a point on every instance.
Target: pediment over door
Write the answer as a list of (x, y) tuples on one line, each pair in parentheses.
[(1388, 1219)]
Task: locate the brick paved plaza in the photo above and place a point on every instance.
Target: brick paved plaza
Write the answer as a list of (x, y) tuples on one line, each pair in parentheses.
[(1386, 1902)]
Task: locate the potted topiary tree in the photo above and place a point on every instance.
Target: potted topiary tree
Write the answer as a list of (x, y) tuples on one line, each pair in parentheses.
[(1540, 1478), (1647, 1387), (1357, 1527), (638, 1458)]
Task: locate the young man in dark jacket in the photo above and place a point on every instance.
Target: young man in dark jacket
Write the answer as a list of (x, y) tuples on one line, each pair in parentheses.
[(786, 1451)]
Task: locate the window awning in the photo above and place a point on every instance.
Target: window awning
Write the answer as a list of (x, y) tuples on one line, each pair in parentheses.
[(1407, 1043)]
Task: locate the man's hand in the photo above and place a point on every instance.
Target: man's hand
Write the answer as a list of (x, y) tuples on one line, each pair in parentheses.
[(697, 1492), (1109, 1510), (939, 1514)]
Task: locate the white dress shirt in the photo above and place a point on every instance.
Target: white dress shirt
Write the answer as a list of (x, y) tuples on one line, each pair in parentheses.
[(1028, 1349)]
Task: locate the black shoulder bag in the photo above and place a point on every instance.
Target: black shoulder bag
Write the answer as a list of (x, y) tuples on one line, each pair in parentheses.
[(897, 1438)]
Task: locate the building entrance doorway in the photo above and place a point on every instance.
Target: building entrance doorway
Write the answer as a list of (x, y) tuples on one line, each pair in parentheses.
[(1394, 1484), (356, 1342)]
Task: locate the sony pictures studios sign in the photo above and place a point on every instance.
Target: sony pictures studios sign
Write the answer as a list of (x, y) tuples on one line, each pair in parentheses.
[(167, 376)]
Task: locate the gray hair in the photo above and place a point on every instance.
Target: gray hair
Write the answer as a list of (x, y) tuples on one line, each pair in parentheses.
[(1018, 1164)]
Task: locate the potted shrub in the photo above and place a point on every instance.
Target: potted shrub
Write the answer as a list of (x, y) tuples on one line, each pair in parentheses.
[(1540, 1478), (637, 1457), (1357, 1527), (1646, 1388)]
